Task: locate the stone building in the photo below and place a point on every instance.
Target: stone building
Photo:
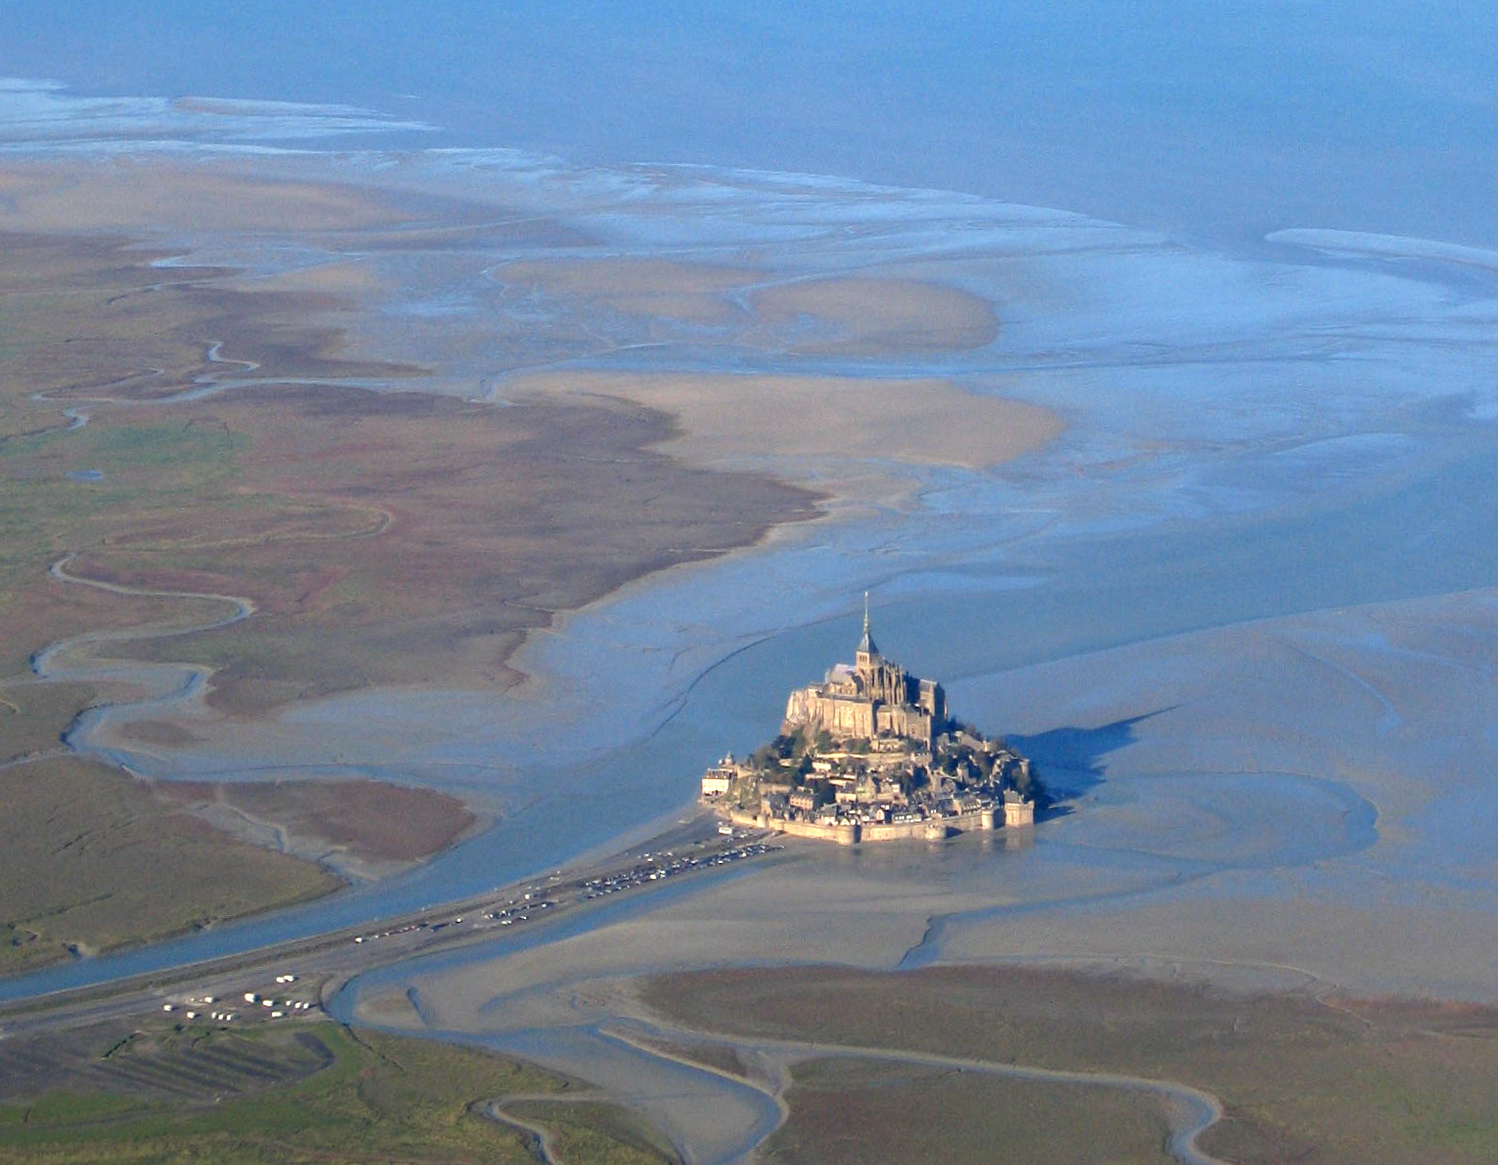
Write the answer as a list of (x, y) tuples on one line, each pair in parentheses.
[(870, 700), (717, 780)]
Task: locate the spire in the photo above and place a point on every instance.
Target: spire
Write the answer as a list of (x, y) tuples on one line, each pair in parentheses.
[(866, 644)]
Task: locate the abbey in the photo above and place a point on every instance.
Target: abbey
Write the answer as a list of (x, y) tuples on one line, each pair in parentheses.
[(873, 698), (871, 754)]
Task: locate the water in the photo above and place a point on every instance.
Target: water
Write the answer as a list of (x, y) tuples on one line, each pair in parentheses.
[(1213, 120)]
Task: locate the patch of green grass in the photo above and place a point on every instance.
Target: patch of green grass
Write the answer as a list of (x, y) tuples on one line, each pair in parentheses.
[(186, 453), (383, 1098), (34, 716), (597, 1132), (93, 860), (76, 1108), (148, 470)]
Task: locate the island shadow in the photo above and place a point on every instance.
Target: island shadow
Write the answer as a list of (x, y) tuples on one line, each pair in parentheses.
[(1069, 761)]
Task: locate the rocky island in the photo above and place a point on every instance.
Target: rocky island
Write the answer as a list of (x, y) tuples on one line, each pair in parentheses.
[(870, 754)]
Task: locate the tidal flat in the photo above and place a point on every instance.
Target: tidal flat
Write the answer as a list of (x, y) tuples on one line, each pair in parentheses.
[(1205, 533)]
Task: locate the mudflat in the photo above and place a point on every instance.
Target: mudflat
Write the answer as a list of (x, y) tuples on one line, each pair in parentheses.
[(1325, 1079), (373, 822)]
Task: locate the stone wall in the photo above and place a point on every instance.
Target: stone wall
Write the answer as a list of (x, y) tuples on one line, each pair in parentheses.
[(851, 834)]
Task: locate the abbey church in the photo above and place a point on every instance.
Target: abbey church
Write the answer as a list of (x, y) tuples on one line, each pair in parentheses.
[(870, 700)]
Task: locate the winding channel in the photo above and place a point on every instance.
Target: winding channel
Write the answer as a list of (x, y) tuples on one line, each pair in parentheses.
[(169, 682), (542, 1138), (1189, 1111), (44, 664)]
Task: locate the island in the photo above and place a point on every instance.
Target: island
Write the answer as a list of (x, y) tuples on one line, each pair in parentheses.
[(871, 754)]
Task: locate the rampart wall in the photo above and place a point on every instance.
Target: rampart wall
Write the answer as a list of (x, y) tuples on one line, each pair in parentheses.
[(852, 833)]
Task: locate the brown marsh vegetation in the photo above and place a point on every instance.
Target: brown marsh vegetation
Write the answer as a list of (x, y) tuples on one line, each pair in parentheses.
[(1301, 1078), (383, 537)]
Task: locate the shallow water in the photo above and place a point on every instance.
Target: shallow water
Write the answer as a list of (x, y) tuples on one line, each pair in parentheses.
[(1217, 120)]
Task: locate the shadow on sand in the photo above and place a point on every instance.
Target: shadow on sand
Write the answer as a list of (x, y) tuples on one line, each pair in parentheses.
[(1069, 761)]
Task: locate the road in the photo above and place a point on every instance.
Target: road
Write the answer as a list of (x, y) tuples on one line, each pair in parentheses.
[(326, 961)]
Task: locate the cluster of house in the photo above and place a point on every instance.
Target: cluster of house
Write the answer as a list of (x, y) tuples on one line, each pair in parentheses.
[(870, 754)]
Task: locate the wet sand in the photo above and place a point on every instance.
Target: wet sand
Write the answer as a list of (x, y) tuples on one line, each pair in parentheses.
[(1288, 802), (832, 432), (877, 317)]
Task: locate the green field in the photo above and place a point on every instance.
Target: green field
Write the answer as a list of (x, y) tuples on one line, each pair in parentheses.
[(93, 861), (368, 1097)]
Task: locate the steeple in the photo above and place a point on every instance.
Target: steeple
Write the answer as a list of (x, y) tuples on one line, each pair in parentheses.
[(866, 644)]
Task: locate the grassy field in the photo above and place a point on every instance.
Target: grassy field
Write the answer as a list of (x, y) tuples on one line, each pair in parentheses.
[(594, 1131), (92, 861), (1386, 1082), (33, 716), (318, 1094)]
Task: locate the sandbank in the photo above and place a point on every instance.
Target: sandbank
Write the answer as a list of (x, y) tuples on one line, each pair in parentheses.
[(868, 316), (651, 287), (877, 316), (154, 194), (814, 429)]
